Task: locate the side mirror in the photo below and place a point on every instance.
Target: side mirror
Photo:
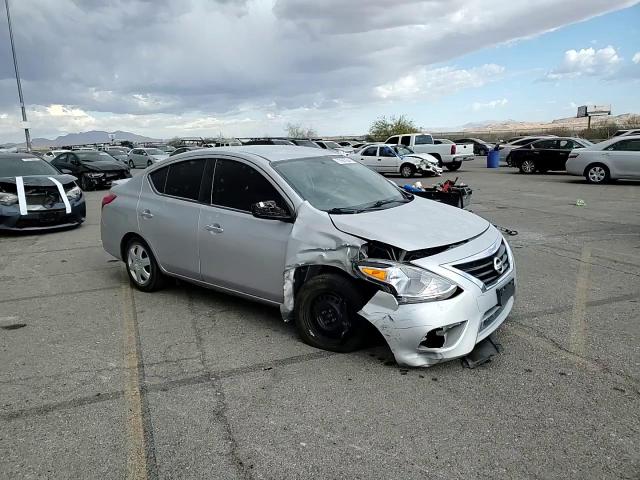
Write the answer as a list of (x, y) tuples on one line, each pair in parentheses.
[(269, 210)]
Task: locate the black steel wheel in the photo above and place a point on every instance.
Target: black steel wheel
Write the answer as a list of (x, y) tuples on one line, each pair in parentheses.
[(326, 313)]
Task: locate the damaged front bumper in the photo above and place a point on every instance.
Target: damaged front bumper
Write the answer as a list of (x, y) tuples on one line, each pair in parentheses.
[(53, 217), (424, 334)]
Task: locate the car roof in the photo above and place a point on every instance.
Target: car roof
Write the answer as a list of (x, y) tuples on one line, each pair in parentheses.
[(268, 153), (16, 156)]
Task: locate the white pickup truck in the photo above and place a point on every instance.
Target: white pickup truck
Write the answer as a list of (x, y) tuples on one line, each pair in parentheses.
[(449, 155)]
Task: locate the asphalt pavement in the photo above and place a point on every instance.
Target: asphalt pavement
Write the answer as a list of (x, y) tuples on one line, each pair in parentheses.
[(100, 381)]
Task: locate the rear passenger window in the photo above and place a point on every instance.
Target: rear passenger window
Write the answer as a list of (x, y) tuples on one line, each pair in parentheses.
[(405, 140), (370, 152), (237, 185), (159, 178), (184, 178), (423, 140), (392, 141)]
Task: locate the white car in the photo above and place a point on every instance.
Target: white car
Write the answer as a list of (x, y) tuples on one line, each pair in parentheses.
[(396, 159), (145, 157), (616, 158), (447, 154), (51, 154)]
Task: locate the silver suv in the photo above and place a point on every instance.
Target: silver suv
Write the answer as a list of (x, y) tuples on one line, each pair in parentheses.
[(332, 243)]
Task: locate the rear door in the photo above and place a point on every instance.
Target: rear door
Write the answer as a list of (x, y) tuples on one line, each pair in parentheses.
[(564, 147), (369, 157), (544, 152), (237, 250), (624, 158), (169, 211)]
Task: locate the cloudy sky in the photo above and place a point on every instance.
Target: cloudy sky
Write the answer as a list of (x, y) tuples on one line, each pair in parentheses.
[(247, 67)]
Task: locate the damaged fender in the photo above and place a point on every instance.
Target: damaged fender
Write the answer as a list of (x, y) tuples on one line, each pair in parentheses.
[(314, 240)]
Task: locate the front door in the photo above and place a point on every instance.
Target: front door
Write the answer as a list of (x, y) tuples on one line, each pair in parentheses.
[(169, 211), (237, 250), (387, 160)]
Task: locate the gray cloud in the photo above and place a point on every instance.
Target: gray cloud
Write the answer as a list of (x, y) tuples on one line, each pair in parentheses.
[(225, 57)]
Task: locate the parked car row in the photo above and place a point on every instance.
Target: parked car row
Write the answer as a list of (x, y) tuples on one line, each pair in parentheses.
[(613, 159)]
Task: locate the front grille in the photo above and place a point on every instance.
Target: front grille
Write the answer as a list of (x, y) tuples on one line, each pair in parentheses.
[(485, 268)]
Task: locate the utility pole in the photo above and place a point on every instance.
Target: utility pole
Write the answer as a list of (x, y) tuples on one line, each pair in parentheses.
[(15, 66)]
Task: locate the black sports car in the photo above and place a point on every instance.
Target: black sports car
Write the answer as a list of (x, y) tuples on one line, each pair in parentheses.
[(92, 168), (35, 196)]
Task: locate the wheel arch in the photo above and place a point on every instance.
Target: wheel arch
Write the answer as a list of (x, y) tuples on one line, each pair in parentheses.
[(593, 164), (303, 273), (130, 236)]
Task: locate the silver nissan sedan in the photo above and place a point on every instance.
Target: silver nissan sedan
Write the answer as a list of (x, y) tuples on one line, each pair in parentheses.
[(334, 245)]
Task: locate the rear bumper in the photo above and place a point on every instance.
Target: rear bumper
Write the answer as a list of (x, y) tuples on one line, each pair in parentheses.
[(38, 220)]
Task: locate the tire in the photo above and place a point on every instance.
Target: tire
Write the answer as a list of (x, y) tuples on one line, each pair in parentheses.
[(452, 167), (149, 163), (407, 170), (437, 157), (528, 166), (509, 161), (326, 313), (597, 173), (131, 164), (142, 268), (84, 183)]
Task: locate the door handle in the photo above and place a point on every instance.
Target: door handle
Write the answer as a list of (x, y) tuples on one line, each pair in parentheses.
[(215, 228), (146, 213), (379, 159)]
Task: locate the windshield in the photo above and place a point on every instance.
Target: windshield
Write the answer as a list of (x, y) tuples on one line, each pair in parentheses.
[(333, 145), (402, 150), (93, 156), (15, 167), (339, 184), (305, 143), (155, 151)]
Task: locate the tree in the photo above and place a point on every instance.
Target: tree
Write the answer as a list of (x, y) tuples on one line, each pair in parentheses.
[(383, 128), (296, 130)]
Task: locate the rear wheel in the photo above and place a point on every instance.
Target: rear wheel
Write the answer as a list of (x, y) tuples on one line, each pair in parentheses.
[(597, 173), (407, 170), (453, 166), (528, 166), (326, 313), (142, 268)]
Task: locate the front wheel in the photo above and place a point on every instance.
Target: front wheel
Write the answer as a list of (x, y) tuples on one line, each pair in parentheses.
[(528, 166), (452, 167), (407, 171), (142, 268), (597, 173), (85, 183), (149, 163), (326, 313), (131, 164)]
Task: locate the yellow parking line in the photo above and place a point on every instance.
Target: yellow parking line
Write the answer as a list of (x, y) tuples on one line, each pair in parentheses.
[(136, 458), (578, 325)]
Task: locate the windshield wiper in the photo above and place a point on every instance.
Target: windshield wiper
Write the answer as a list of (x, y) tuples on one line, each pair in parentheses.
[(381, 203), (343, 210)]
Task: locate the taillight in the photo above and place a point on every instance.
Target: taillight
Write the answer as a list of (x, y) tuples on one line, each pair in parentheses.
[(107, 199), (453, 149)]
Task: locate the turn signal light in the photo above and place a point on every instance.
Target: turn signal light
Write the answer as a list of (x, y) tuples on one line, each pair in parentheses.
[(377, 273)]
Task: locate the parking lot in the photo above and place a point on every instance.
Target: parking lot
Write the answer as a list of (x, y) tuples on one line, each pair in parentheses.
[(106, 382)]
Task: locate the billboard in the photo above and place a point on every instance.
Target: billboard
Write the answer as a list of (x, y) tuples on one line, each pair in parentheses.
[(593, 110)]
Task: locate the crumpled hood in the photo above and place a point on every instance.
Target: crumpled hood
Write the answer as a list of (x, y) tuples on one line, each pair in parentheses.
[(105, 165), (422, 156), (39, 180), (416, 225)]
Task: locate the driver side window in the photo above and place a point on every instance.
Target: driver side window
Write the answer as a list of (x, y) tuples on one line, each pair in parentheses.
[(237, 185), (386, 152)]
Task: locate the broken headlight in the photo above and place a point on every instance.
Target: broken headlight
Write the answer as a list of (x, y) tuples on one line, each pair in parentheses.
[(410, 284), (74, 193), (8, 198)]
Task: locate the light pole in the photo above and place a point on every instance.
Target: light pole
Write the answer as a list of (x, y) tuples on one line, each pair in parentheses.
[(15, 66)]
